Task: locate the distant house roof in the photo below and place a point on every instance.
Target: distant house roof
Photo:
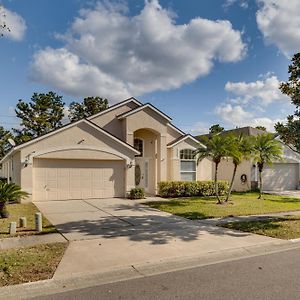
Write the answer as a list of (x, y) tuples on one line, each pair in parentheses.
[(246, 131)]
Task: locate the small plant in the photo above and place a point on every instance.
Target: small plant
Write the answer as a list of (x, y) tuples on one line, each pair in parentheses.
[(136, 193), (9, 193)]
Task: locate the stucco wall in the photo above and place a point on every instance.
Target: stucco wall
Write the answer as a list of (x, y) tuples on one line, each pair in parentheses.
[(70, 138), (225, 173), (110, 123)]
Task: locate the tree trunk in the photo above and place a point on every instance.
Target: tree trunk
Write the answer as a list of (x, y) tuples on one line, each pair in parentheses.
[(216, 184), (231, 183), (260, 185)]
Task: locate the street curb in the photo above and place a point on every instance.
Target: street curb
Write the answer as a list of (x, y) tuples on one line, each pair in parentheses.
[(53, 286)]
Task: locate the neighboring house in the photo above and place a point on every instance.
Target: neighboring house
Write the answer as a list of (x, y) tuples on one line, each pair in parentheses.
[(128, 145), (282, 175)]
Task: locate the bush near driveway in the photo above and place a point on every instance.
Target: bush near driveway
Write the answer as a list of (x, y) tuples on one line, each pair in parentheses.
[(136, 193), (30, 264), (281, 228), (240, 204), (173, 189)]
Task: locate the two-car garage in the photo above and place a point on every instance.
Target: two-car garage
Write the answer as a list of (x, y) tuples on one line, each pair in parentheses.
[(65, 179)]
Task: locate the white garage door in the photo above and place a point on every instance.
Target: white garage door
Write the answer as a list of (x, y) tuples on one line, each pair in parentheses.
[(56, 179), (281, 176)]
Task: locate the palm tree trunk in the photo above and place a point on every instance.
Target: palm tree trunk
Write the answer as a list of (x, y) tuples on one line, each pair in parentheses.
[(260, 185), (231, 183), (216, 184)]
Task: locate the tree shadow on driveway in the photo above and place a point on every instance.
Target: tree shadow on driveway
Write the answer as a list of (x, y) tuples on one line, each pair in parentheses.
[(141, 223)]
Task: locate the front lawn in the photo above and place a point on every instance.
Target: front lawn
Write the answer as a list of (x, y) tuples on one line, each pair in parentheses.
[(281, 228), (27, 210), (30, 264), (239, 205)]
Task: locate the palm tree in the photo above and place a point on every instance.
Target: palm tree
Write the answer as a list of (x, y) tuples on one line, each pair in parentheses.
[(217, 147), (240, 148), (9, 192), (265, 150)]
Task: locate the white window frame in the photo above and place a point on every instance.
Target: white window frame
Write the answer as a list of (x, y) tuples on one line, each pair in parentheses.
[(190, 160)]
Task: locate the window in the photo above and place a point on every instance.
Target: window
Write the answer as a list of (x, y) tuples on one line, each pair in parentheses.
[(139, 145), (187, 165)]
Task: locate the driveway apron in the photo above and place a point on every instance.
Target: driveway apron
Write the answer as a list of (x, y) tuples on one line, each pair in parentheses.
[(108, 234)]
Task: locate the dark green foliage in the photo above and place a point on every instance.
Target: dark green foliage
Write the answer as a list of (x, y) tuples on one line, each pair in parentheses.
[(263, 128), (136, 193), (9, 192), (4, 144), (41, 115), (174, 189), (215, 129), (217, 148), (290, 131), (265, 150), (3, 25), (90, 106)]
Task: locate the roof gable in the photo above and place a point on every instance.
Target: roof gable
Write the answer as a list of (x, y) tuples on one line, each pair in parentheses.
[(184, 138), (66, 127), (117, 105), (147, 105)]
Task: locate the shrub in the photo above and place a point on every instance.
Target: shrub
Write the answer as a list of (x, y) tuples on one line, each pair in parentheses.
[(9, 193), (172, 189), (136, 193)]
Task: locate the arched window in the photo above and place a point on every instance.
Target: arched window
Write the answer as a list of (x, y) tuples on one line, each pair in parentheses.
[(139, 145), (187, 165)]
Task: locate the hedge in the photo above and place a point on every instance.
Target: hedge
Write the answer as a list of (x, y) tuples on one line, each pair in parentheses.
[(174, 189)]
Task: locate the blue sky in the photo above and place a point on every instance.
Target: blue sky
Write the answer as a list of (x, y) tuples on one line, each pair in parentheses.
[(205, 62)]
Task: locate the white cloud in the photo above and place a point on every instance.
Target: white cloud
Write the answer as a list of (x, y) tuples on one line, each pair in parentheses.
[(233, 114), (242, 3), (279, 22), (263, 91), (108, 53), (249, 102), (15, 23), (237, 116)]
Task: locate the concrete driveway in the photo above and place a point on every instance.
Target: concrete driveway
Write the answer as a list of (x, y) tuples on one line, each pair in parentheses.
[(110, 234), (91, 219)]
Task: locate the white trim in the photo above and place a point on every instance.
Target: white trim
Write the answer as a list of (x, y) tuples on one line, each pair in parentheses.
[(81, 147), (114, 107), (65, 128), (176, 129), (147, 105), (183, 138)]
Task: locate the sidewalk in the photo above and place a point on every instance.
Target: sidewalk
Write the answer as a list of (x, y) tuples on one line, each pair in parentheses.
[(31, 240), (53, 286), (220, 221)]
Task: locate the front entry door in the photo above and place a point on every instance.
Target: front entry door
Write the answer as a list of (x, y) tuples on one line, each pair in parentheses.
[(142, 173)]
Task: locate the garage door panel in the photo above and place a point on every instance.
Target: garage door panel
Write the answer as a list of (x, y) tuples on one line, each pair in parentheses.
[(71, 179), (281, 176)]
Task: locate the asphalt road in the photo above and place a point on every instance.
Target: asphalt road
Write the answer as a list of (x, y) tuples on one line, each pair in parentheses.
[(274, 276)]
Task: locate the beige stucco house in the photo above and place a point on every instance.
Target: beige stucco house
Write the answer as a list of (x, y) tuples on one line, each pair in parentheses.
[(128, 145), (282, 175)]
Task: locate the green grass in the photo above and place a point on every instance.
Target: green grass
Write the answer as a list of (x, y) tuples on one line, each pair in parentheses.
[(23, 210), (281, 228), (240, 204), (30, 264)]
